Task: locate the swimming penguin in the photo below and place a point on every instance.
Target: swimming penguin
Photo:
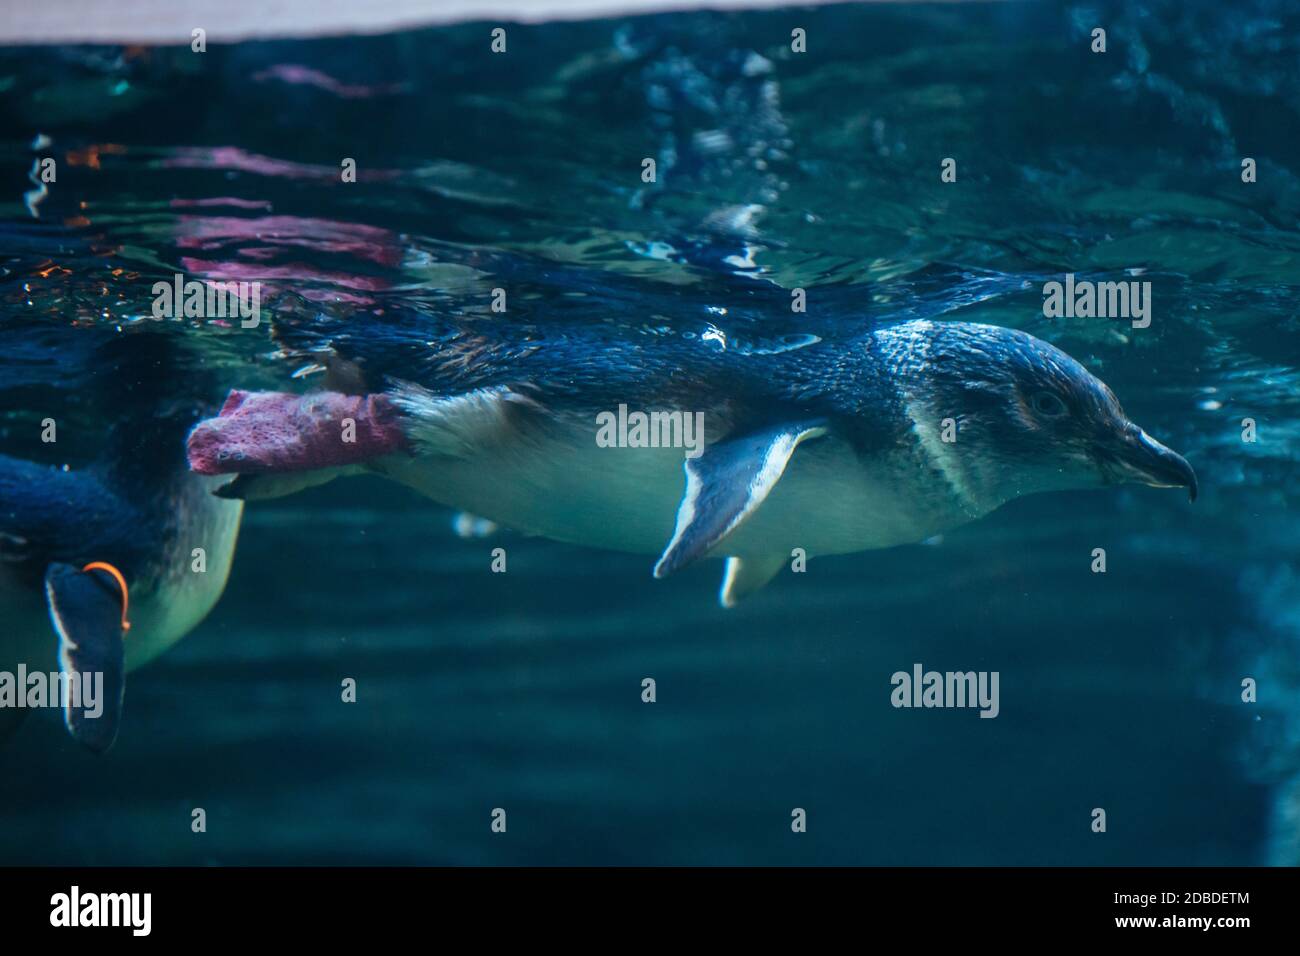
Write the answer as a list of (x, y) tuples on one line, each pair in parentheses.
[(98, 568), (883, 439)]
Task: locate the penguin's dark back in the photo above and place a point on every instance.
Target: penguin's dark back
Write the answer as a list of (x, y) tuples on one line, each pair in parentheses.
[(154, 389), (47, 514), (114, 474), (596, 365)]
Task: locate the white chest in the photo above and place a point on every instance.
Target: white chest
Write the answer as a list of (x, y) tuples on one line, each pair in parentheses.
[(829, 501)]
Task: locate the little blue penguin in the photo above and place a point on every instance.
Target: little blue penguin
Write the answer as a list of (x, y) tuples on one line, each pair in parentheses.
[(98, 572), (885, 438)]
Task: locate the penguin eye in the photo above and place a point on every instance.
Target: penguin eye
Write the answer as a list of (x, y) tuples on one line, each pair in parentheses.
[(1048, 405)]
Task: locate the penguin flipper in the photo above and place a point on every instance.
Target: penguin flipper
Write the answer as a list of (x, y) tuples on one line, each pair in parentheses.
[(744, 576), (86, 611), (725, 485)]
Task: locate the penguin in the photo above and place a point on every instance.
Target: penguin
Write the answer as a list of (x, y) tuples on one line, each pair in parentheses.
[(887, 437), (99, 571)]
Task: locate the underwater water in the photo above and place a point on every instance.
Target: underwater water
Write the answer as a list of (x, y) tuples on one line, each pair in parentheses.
[(776, 170)]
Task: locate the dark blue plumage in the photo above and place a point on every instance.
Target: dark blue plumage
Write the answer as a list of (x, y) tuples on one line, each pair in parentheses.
[(597, 366), (125, 507)]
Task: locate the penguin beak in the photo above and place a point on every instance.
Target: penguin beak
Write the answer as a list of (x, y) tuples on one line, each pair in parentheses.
[(1139, 457)]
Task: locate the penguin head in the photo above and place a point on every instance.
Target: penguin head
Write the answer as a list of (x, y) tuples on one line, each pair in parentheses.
[(1022, 416)]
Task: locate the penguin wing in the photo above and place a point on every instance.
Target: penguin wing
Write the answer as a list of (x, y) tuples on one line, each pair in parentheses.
[(86, 610), (744, 576), (724, 486)]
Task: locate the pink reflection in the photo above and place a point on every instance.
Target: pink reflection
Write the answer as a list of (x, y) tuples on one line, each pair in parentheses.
[(369, 243), (234, 158), (298, 278), (258, 247), (299, 75), (262, 204)]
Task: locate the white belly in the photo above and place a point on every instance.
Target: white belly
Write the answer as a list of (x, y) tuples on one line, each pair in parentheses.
[(182, 598), (566, 488), (161, 612)]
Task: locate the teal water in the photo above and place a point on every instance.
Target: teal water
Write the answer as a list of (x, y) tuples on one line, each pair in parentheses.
[(776, 170)]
